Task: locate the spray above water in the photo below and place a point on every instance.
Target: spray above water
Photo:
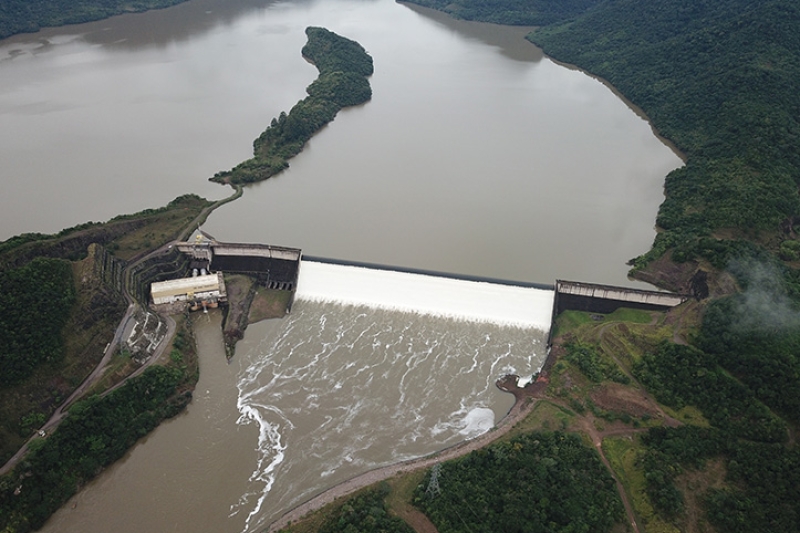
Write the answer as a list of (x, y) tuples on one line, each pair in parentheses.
[(356, 378), (428, 295)]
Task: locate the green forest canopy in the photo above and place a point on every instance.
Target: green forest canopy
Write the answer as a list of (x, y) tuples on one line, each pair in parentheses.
[(720, 78), (24, 16), (540, 481), (36, 300), (343, 69)]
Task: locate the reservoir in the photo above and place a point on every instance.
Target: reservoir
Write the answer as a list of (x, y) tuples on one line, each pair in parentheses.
[(476, 155)]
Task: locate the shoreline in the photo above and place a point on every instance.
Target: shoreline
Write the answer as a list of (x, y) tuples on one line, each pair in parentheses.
[(525, 399), (638, 111)]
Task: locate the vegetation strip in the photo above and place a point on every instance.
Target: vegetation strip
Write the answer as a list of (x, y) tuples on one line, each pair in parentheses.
[(720, 79), (343, 67), (35, 489), (28, 16)]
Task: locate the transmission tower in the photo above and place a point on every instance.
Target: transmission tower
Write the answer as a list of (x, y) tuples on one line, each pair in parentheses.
[(433, 489)]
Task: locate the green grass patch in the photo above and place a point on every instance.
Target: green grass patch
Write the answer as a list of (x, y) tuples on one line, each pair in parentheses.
[(545, 415), (689, 415), (637, 316), (570, 321), (624, 455)]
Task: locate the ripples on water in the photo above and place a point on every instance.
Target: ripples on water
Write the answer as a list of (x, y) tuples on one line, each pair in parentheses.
[(340, 389)]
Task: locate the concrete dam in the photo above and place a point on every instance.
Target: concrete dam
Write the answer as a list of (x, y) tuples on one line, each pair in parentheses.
[(377, 364), (470, 298)]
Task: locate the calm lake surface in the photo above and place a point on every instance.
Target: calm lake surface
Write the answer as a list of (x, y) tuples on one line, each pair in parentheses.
[(477, 155)]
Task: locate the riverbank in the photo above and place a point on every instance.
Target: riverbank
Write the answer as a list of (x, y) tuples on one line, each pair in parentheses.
[(21, 16), (522, 407), (343, 67)]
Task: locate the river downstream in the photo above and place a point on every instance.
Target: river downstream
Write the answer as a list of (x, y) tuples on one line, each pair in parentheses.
[(476, 155)]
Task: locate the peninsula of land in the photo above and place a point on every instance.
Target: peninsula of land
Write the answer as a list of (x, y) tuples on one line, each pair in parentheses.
[(695, 412)]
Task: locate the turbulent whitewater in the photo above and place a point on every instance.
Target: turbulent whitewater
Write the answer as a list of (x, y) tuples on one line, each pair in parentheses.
[(354, 378)]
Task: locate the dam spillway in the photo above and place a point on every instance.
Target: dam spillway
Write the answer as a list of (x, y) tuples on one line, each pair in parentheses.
[(438, 295), (374, 367)]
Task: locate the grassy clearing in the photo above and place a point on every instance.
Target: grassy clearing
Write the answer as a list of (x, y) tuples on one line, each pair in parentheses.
[(268, 303), (401, 493), (624, 453), (545, 415), (571, 321), (689, 415), (158, 227), (635, 316)]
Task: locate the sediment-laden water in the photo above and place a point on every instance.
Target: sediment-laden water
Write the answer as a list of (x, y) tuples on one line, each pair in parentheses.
[(337, 389), (477, 155)]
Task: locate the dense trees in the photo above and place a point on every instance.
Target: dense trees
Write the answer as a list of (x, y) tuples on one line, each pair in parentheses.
[(343, 67), (97, 432), (764, 356), (722, 80), (36, 300), (682, 375), (365, 513), (516, 12), (541, 481), (763, 493), (17, 16)]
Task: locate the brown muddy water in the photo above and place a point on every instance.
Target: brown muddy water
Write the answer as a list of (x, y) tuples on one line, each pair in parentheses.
[(477, 155)]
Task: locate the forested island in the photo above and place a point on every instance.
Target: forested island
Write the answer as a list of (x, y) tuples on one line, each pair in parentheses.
[(343, 67), (718, 451), (695, 412)]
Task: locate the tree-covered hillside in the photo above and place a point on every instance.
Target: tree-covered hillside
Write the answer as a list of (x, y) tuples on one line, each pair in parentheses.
[(36, 300), (512, 12), (541, 481), (20, 16), (721, 79)]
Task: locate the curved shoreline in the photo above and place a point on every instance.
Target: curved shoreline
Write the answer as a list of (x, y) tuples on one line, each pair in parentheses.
[(522, 407)]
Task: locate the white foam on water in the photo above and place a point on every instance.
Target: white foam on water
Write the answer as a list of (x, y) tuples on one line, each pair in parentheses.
[(425, 294), (374, 367), (477, 422), (521, 382)]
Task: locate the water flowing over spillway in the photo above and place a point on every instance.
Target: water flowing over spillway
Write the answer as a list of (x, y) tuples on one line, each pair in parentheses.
[(356, 377), (511, 305)]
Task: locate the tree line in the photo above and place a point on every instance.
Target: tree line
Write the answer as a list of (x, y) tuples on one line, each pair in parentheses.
[(512, 12), (36, 300), (97, 432), (539, 481), (343, 69), (26, 16)]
